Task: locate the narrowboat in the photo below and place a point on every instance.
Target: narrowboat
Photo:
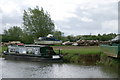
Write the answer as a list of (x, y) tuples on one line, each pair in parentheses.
[(31, 53), (112, 49)]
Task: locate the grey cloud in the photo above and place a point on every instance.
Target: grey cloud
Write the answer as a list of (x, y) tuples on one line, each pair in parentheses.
[(11, 20), (98, 15)]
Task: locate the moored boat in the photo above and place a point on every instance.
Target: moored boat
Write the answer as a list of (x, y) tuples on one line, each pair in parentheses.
[(49, 40), (31, 53)]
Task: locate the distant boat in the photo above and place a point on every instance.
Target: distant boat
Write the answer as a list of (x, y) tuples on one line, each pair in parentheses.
[(31, 53), (116, 39), (47, 41)]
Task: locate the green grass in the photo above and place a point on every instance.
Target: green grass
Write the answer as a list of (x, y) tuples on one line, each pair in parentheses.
[(82, 50), (78, 54), (3, 48)]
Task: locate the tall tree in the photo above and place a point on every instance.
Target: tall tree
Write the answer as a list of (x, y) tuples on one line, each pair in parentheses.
[(38, 22), (26, 38), (71, 38)]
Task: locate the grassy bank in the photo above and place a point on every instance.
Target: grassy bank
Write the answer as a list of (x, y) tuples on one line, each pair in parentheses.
[(79, 54), (78, 49), (2, 48)]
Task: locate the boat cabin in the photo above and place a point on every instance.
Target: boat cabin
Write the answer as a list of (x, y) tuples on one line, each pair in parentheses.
[(35, 50)]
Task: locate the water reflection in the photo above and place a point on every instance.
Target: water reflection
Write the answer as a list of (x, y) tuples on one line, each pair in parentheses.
[(21, 69), (111, 66)]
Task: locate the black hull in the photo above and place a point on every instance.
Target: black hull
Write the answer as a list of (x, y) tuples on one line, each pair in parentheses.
[(29, 58)]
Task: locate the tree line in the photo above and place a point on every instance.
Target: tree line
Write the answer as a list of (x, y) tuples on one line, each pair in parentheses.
[(38, 23)]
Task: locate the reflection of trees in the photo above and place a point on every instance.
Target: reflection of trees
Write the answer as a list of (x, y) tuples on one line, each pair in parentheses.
[(111, 66), (119, 71)]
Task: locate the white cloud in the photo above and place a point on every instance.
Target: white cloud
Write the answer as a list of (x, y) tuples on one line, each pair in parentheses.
[(110, 26), (1, 28), (85, 19)]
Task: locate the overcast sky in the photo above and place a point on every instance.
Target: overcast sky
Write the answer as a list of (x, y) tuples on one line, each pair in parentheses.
[(73, 17)]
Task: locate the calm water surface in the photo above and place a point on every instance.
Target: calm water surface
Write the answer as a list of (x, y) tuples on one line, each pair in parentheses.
[(21, 69)]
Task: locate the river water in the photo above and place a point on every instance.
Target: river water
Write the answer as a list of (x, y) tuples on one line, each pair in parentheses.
[(22, 69)]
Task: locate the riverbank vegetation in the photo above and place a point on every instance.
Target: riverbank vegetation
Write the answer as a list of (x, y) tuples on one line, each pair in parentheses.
[(2, 48), (79, 54), (78, 49)]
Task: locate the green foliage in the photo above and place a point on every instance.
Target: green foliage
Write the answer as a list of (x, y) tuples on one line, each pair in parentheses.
[(3, 48), (26, 38), (12, 34), (73, 54), (79, 54), (58, 35), (104, 37), (71, 38), (83, 51), (37, 22), (5, 38), (17, 34)]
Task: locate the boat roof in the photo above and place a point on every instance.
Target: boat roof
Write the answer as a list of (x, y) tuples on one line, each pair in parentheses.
[(117, 38), (30, 45), (47, 39)]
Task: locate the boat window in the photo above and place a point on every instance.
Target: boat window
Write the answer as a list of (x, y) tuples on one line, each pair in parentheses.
[(12, 50), (22, 50), (29, 51), (47, 50)]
